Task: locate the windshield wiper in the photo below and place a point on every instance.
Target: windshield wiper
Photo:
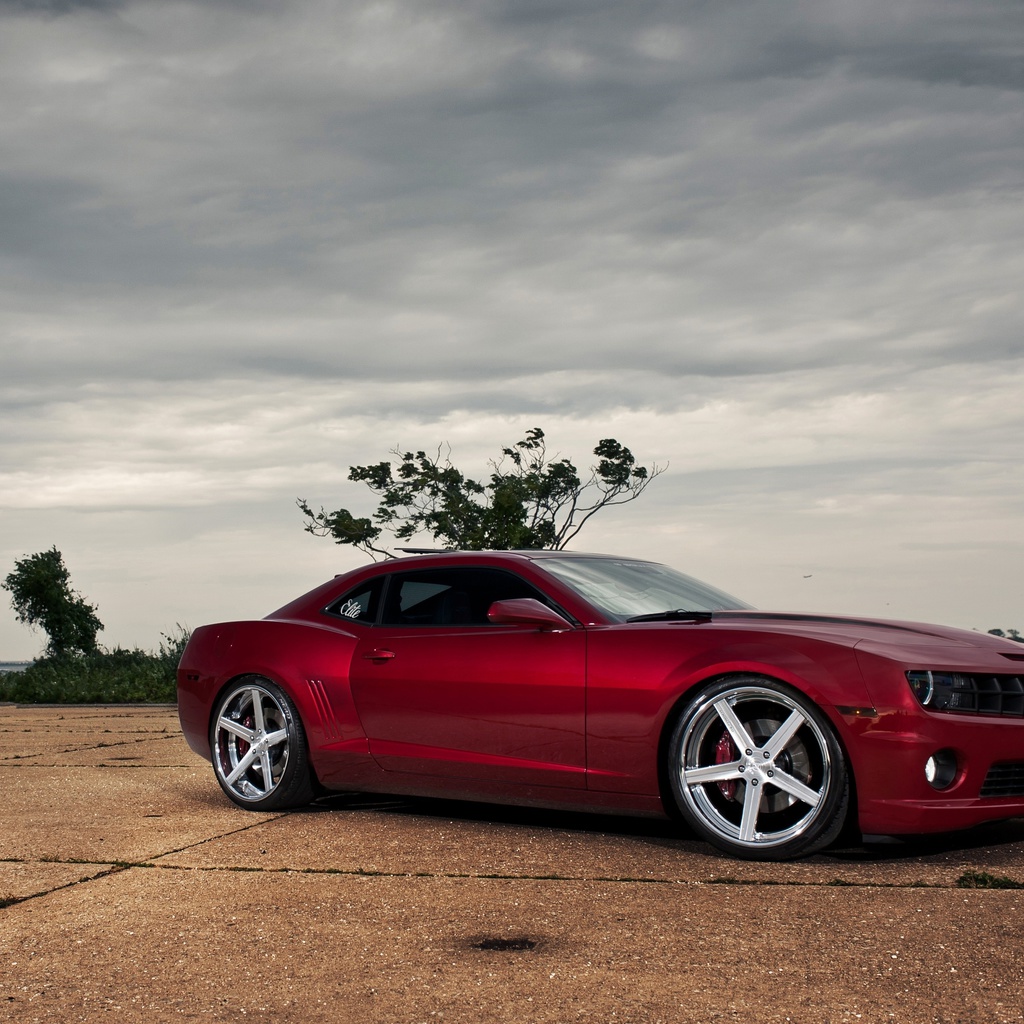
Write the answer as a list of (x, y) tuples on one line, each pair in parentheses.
[(677, 615)]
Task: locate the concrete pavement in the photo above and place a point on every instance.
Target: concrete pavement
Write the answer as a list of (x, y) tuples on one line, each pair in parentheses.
[(130, 886)]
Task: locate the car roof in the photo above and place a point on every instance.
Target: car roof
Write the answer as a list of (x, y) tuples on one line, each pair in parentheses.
[(428, 556)]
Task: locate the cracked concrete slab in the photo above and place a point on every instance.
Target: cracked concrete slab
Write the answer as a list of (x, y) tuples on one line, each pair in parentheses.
[(47, 731), (157, 751), (430, 837), (110, 814), (20, 879), (163, 944), (136, 888)]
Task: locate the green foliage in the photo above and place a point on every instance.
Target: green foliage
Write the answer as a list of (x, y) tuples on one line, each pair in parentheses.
[(103, 677), (983, 880), (1010, 634), (119, 676), (173, 645), (530, 501), (40, 587), (73, 669)]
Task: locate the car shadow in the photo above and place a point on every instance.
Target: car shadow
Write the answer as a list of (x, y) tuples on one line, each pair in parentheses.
[(532, 817), (992, 837), (997, 839)]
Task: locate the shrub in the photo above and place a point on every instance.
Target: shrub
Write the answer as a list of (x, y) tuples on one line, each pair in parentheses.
[(119, 676)]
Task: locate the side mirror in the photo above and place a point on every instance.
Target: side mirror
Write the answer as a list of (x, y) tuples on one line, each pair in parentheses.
[(526, 611)]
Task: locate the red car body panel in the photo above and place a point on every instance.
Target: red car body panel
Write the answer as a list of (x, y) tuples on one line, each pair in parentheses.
[(503, 705), (579, 717)]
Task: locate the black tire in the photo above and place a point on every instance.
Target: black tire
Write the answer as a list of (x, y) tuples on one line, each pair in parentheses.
[(259, 747), (757, 771)]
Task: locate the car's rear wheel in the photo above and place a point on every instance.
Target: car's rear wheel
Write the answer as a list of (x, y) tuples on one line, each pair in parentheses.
[(756, 769), (259, 747)]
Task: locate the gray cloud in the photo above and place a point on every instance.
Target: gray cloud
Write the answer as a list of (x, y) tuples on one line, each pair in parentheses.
[(57, 7), (247, 245)]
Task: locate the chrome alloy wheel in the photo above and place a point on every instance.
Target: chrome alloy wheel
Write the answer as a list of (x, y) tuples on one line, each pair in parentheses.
[(253, 737), (756, 770)]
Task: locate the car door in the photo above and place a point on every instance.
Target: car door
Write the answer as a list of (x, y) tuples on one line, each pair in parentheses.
[(441, 691)]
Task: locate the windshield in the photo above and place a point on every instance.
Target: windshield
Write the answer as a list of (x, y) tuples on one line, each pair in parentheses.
[(622, 588)]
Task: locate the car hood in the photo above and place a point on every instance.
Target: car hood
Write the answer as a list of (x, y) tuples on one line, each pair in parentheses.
[(877, 635)]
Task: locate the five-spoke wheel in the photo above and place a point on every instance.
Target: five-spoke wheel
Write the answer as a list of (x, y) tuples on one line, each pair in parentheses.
[(756, 770), (259, 747)]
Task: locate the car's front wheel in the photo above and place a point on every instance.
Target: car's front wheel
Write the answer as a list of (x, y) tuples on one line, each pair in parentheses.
[(756, 770), (259, 747)]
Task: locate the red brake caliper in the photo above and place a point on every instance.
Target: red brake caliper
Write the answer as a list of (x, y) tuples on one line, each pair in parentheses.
[(726, 753)]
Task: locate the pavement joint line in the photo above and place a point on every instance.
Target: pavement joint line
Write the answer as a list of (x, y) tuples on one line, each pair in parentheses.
[(78, 748), (100, 764), (116, 866), (101, 710), (103, 744), (211, 839)]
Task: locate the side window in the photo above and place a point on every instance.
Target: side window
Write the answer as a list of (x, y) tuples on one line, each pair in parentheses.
[(359, 604), (450, 597)]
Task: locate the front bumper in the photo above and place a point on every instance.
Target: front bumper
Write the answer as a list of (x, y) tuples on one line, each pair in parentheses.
[(888, 759)]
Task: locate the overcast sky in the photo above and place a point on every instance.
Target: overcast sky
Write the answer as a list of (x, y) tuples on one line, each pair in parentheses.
[(776, 245)]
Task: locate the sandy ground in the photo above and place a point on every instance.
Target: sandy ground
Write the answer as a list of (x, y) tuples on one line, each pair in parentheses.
[(131, 889)]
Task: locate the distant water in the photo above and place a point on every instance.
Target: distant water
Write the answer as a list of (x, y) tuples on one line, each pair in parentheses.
[(14, 666)]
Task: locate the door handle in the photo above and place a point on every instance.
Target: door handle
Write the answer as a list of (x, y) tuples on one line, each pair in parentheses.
[(378, 655)]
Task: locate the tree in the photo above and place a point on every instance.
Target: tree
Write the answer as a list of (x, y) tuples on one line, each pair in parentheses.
[(1010, 634), (41, 594), (530, 501)]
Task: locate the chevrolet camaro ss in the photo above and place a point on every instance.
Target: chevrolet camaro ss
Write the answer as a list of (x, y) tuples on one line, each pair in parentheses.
[(575, 681)]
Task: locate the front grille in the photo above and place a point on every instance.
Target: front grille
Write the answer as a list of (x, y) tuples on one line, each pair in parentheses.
[(997, 695), (1006, 778), (969, 692)]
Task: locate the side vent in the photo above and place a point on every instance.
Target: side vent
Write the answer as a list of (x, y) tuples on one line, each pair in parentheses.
[(328, 723)]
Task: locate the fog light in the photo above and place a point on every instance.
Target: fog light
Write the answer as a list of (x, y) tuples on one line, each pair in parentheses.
[(940, 769)]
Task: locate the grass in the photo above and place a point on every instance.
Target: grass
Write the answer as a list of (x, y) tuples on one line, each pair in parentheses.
[(983, 880), (119, 676)]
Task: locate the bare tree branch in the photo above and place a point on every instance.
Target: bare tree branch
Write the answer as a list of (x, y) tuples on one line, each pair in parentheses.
[(530, 500)]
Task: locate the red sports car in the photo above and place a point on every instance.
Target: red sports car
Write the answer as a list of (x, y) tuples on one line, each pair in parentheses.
[(579, 681)]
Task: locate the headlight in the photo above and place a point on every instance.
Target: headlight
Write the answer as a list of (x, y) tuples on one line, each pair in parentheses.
[(944, 691)]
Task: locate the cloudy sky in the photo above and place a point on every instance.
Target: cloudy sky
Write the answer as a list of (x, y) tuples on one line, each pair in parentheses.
[(775, 244)]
